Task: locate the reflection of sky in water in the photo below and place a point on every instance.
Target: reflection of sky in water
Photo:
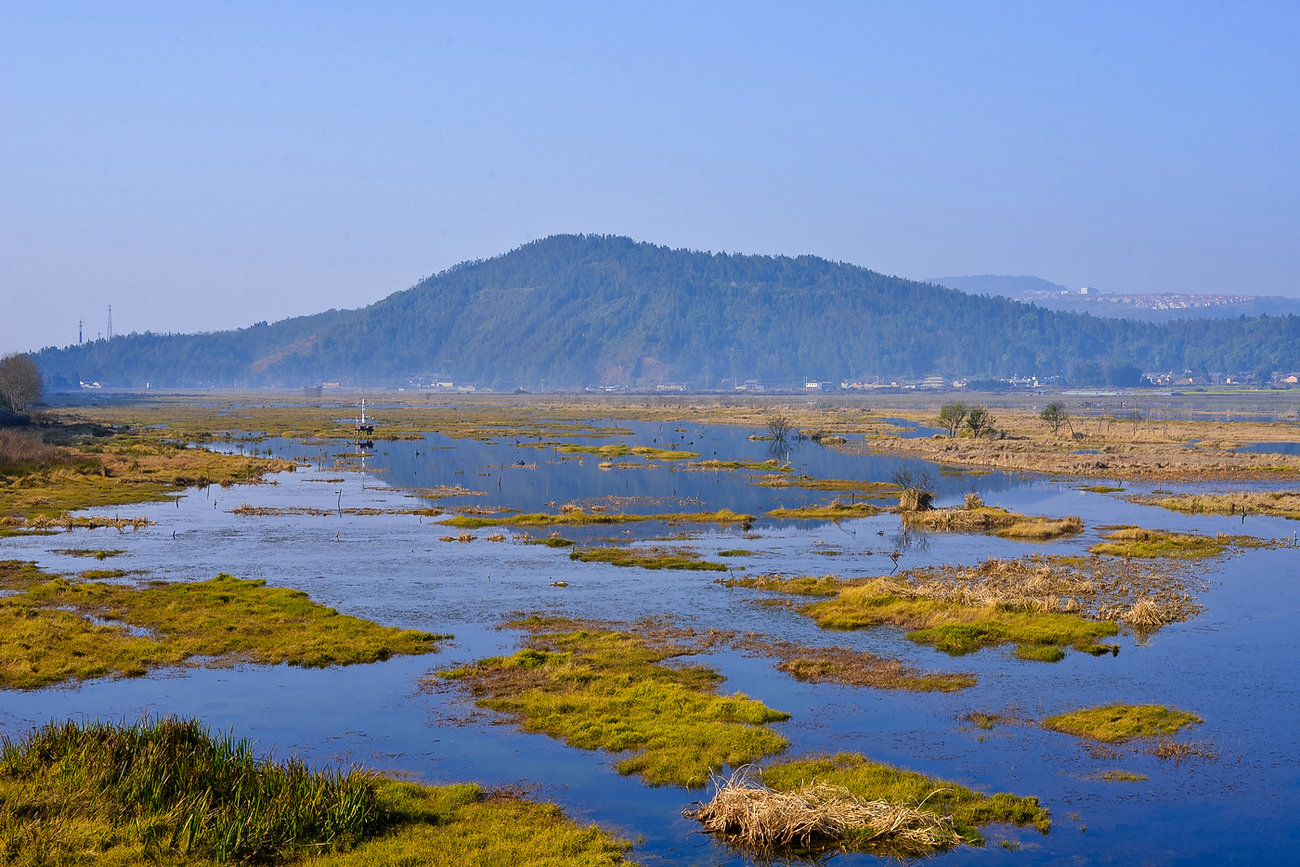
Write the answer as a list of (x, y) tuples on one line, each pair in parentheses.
[(1234, 665), (527, 476)]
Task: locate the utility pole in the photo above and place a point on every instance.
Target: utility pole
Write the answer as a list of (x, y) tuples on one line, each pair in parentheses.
[(79, 324)]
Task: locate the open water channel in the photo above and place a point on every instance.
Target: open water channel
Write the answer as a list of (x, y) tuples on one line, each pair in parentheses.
[(1234, 665)]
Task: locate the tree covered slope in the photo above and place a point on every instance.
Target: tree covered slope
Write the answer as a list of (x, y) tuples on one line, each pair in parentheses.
[(570, 310)]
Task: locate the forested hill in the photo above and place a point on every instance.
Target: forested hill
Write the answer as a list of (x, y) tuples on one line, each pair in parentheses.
[(570, 310)]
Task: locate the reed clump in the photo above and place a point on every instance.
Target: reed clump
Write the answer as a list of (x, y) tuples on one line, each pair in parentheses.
[(845, 802), (818, 817)]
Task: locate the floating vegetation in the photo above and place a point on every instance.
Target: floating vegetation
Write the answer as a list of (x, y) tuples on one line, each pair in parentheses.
[(1118, 776), (555, 540), (858, 487), (847, 802), (736, 552), (1101, 489), (98, 554), (620, 450), (573, 515), (858, 668), (1150, 544), (102, 574), (989, 720), (282, 511), (833, 511), (1166, 748), (1280, 504), (55, 629), (166, 791), (768, 466), (646, 558), (601, 688), (1113, 723), (803, 585)]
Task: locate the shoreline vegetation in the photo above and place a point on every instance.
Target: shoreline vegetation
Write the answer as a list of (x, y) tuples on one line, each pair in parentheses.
[(167, 791)]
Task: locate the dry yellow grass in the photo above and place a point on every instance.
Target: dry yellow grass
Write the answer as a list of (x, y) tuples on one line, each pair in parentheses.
[(817, 816)]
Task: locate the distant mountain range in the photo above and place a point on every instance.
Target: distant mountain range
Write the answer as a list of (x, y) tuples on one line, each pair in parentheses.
[(1147, 307), (573, 311)]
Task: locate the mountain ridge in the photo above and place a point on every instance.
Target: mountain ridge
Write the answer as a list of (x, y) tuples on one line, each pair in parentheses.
[(568, 311)]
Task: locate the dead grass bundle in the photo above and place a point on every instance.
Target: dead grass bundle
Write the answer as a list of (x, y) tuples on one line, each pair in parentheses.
[(912, 500), (817, 816), (1147, 613)]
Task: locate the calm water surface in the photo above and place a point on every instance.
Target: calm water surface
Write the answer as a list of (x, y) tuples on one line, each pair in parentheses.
[(1234, 665)]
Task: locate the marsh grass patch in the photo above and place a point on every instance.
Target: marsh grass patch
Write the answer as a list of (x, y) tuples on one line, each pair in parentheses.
[(837, 509), (56, 629), (647, 558), (1151, 544), (1117, 723), (597, 687)]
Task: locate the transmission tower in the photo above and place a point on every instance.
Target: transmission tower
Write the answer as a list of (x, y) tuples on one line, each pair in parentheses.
[(110, 322)]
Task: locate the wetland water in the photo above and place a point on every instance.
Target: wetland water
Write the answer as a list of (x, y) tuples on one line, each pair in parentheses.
[(1234, 665)]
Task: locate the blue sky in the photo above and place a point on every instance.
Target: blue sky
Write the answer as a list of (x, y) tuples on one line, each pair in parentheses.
[(208, 165)]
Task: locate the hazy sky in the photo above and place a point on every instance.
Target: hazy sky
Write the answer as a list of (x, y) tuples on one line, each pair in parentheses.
[(206, 165)]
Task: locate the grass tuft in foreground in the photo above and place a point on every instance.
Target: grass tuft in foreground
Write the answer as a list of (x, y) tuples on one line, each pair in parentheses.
[(168, 792), (599, 688)]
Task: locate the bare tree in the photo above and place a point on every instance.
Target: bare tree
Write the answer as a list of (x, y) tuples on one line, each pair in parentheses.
[(20, 382), (779, 427)]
